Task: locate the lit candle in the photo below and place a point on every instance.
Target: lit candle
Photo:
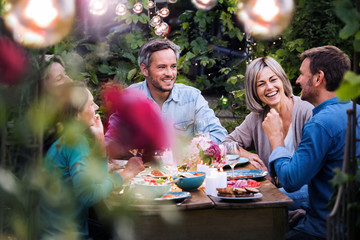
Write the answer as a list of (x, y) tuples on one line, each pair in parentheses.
[(211, 184)]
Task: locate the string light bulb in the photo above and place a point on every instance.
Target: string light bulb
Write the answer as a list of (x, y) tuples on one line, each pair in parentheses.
[(164, 12), (98, 7), (164, 27), (138, 7), (39, 23), (151, 4), (156, 20), (158, 30), (204, 4), (265, 18), (120, 9)]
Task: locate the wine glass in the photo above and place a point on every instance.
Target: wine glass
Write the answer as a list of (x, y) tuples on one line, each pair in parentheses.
[(232, 155), (201, 128)]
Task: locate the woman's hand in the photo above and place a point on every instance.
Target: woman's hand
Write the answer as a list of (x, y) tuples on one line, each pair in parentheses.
[(98, 132), (97, 129), (134, 166), (255, 160)]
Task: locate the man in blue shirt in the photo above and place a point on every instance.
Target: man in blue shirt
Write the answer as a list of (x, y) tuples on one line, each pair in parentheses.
[(322, 145), (181, 105)]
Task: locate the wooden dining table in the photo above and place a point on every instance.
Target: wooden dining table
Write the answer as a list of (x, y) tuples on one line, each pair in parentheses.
[(206, 217)]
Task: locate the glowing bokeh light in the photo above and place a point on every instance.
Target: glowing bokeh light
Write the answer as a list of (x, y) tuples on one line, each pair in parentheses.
[(39, 23), (151, 4), (138, 7), (120, 9), (164, 12), (41, 18), (156, 20), (98, 7), (204, 4), (266, 9), (265, 19), (172, 1)]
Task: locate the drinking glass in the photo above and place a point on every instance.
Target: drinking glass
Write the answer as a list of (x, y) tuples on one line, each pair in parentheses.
[(201, 128), (232, 154)]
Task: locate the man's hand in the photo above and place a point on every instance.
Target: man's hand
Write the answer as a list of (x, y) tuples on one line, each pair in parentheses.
[(273, 128), (134, 166), (295, 216)]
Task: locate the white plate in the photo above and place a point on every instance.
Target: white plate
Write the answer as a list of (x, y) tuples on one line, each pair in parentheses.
[(256, 195)]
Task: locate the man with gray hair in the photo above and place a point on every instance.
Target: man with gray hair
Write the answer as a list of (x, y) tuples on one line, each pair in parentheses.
[(181, 105)]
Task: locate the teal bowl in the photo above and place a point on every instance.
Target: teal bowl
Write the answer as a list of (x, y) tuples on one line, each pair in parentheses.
[(190, 183)]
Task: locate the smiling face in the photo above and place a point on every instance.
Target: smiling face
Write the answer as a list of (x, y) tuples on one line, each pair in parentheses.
[(269, 88), (87, 115), (161, 74), (305, 81)]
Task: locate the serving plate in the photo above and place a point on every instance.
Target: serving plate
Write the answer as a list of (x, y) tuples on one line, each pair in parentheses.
[(247, 174), (256, 196)]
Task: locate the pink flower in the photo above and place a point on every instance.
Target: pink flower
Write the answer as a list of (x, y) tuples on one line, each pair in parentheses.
[(202, 149), (13, 62)]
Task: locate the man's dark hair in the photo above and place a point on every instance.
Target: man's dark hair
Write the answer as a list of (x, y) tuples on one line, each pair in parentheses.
[(331, 60)]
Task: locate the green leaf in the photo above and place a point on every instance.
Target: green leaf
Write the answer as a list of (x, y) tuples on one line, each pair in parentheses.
[(349, 30), (143, 18), (131, 73), (104, 68), (350, 87)]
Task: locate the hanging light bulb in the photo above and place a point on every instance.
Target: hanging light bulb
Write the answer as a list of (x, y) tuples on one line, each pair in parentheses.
[(138, 7), (265, 18), (39, 23), (172, 1), (158, 30), (164, 27), (204, 4), (151, 4), (164, 12), (156, 20), (98, 7), (121, 9)]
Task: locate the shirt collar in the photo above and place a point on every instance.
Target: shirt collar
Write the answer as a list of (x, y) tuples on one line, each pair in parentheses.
[(174, 94), (324, 104)]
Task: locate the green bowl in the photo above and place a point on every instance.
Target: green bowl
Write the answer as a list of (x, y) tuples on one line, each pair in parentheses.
[(191, 183), (151, 191)]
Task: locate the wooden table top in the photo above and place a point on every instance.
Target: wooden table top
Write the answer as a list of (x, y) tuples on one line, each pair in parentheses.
[(272, 197)]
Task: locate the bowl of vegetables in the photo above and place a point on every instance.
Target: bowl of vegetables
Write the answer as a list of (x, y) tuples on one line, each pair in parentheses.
[(152, 188), (189, 181)]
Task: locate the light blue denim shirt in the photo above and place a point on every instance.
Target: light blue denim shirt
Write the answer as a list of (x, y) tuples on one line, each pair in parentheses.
[(183, 107)]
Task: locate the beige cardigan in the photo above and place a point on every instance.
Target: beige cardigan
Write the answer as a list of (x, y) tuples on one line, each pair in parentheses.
[(251, 136)]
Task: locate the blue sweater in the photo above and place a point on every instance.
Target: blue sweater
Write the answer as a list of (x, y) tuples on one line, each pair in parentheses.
[(76, 181), (321, 150)]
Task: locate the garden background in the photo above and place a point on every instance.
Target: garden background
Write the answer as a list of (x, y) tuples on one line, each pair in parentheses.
[(99, 49)]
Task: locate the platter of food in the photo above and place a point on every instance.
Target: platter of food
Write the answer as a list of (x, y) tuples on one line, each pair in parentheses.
[(246, 174), (241, 183), (246, 193)]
